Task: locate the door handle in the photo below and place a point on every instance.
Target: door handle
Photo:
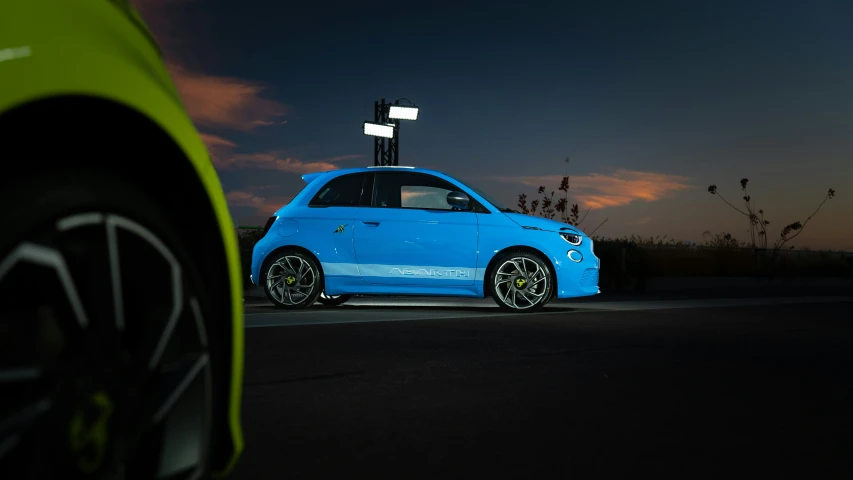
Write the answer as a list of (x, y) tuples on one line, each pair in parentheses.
[(372, 224)]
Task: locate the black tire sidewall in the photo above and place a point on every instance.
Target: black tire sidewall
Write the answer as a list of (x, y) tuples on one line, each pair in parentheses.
[(40, 202)]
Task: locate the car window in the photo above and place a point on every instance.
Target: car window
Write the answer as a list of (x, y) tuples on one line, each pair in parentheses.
[(343, 191), (495, 203), (424, 197), (412, 190)]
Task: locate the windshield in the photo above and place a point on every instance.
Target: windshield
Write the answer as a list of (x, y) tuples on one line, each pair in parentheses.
[(500, 206)]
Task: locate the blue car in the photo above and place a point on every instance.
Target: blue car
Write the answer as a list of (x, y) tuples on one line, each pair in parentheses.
[(413, 231)]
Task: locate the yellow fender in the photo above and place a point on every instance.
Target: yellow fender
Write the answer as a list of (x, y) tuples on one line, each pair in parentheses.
[(102, 49)]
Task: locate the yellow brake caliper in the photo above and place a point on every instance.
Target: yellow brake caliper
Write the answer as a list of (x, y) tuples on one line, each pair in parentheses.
[(93, 435)]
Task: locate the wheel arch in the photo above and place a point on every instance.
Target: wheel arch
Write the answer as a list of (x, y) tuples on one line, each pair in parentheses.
[(487, 289), (140, 143)]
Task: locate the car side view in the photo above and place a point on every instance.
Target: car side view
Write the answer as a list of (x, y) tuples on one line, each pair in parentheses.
[(121, 334), (412, 231)]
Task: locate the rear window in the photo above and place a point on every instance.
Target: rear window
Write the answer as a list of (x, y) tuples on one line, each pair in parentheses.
[(343, 191)]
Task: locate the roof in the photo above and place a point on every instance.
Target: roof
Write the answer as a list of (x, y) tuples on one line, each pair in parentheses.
[(310, 177)]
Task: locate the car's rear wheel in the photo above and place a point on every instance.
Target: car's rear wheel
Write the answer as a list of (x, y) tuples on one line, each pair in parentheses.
[(333, 300), (521, 281), (106, 365), (292, 279)]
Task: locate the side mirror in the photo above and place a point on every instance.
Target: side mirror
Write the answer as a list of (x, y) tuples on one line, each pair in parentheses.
[(458, 200)]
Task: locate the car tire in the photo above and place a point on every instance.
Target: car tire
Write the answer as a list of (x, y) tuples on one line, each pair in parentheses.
[(291, 279), (107, 355), (521, 282), (333, 300)]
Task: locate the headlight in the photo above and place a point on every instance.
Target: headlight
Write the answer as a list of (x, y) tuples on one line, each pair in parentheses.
[(572, 238)]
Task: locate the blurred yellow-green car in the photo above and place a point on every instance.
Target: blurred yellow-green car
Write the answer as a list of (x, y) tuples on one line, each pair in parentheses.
[(121, 315)]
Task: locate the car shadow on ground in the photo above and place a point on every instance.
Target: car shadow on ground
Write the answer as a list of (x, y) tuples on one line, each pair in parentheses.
[(269, 308), (367, 308)]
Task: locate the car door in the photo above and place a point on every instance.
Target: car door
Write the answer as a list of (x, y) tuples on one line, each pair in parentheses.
[(411, 236), (328, 222)]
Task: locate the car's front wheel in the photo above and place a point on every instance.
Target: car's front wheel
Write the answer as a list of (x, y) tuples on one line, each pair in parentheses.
[(292, 280), (107, 363), (333, 300), (521, 281)]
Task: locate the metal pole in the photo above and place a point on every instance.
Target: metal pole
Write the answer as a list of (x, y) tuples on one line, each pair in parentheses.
[(386, 153), (382, 113), (376, 139), (379, 152), (386, 142), (394, 143)]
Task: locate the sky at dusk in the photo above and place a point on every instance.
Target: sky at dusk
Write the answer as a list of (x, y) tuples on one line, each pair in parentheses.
[(652, 101)]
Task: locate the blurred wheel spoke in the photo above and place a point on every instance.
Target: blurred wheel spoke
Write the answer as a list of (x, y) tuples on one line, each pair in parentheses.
[(8, 444), (115, 274), (20, 419), (199, 321), (34, 254), (174, 384), (16, 375)]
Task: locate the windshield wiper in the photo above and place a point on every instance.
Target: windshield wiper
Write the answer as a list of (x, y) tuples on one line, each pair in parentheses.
[(508, 210)]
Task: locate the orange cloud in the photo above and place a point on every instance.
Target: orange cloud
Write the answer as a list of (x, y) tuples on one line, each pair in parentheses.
[(258, 205), (213, 141), (622, 187), (342, 158), (271, 161), (211, 100), (224, 158), (244, 199), (264, 187), (224, 102)]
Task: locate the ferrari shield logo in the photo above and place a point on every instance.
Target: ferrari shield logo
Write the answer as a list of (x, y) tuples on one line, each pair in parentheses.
[(88, 432), (340, 228)]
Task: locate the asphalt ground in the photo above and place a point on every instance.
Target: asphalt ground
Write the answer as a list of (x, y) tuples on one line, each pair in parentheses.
[(608, 387)]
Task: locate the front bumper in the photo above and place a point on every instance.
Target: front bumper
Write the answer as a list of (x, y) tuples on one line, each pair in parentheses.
[(578, 273)]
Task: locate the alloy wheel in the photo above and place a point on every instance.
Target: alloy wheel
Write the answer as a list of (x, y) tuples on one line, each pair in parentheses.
[(521, 283), (104, 360), (292, 281)]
